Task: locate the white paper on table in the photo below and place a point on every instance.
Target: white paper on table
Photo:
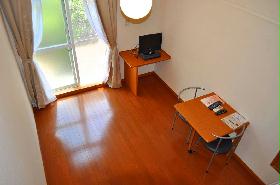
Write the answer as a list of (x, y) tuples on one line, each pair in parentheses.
[(234, 120), (210, 100)]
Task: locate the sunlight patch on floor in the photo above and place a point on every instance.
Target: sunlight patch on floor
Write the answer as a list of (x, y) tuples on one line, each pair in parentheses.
[(81, 127)]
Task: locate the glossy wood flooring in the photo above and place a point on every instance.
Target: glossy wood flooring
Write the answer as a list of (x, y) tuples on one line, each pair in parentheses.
[(111, 137)]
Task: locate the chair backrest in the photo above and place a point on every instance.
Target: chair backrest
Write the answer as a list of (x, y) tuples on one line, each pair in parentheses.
[(194, 89), (238, 135), (235, 138)]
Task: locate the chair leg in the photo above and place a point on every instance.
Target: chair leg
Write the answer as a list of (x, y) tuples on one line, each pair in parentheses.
[(174, 120), (198, 140), (210, 162), (213, 155), (190, 133), (196, 144), (229, 156)]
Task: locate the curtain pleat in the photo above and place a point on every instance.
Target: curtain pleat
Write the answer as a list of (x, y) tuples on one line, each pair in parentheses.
[(18, 19), (107, 10)]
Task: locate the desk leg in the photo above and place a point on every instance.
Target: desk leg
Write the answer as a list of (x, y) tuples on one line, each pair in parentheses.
[(131, 78), (191, 141)]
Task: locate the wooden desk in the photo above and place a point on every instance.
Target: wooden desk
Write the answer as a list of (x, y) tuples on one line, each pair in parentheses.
[(131, 64), (204, 121)]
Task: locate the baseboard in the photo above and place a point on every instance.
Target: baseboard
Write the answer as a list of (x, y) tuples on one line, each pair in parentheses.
[(152, 73), (165, 84), (146, 74), (75, 91), (235, 157), (142, 75)]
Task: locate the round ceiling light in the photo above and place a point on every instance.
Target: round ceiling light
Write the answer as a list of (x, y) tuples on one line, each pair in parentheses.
[(136, 9)]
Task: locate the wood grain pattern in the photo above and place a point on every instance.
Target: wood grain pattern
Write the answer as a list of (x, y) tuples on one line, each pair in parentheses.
[(77, 90), (111, 137), (131, 64), (203, 120), (131, 78), (134, 61)]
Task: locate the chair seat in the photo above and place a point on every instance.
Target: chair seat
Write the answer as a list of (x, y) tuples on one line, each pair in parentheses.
[(225, 146)]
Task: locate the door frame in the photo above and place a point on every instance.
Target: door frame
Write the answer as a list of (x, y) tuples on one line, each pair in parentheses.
[(69, 46), (70, 38)]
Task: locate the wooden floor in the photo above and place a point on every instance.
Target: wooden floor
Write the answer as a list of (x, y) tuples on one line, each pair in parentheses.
[(111, 137)]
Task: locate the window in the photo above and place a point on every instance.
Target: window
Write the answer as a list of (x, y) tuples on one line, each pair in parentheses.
[(70, 54)]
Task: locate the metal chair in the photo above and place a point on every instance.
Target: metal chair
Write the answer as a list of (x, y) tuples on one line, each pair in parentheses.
[(177, 114), (224, 145)]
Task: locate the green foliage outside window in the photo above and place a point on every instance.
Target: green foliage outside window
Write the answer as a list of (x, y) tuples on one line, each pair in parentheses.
[(54, 24), (81, 27)]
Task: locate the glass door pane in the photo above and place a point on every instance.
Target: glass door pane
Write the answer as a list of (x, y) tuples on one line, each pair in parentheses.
[(53, 24), (56, 64), (91, 52), (55, 53)]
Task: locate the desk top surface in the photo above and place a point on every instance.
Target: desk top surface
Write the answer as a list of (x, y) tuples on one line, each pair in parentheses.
[(133, 61), (203, 120)]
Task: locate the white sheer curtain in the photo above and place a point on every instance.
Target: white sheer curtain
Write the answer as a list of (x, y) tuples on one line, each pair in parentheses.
[(94, 19), (44, 92), (107, 10), (96, 24)]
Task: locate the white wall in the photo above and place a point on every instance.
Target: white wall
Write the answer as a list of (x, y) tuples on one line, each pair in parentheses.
[(230, 47), (128, 33), (20, 157)]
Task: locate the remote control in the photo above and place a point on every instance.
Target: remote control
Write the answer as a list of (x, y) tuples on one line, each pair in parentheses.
[(221, 112), (214, 105)]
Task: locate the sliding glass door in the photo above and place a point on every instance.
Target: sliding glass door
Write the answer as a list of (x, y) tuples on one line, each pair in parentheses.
[(55, 53), (70, 53), (91, 52)]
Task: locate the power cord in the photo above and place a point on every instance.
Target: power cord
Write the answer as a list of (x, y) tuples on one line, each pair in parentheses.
[(134, 51)]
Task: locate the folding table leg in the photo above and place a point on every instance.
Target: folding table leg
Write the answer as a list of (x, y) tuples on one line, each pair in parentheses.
[(191, 141)]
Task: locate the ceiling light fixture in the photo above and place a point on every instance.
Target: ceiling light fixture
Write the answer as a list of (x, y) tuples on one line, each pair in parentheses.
[(136, 9)]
